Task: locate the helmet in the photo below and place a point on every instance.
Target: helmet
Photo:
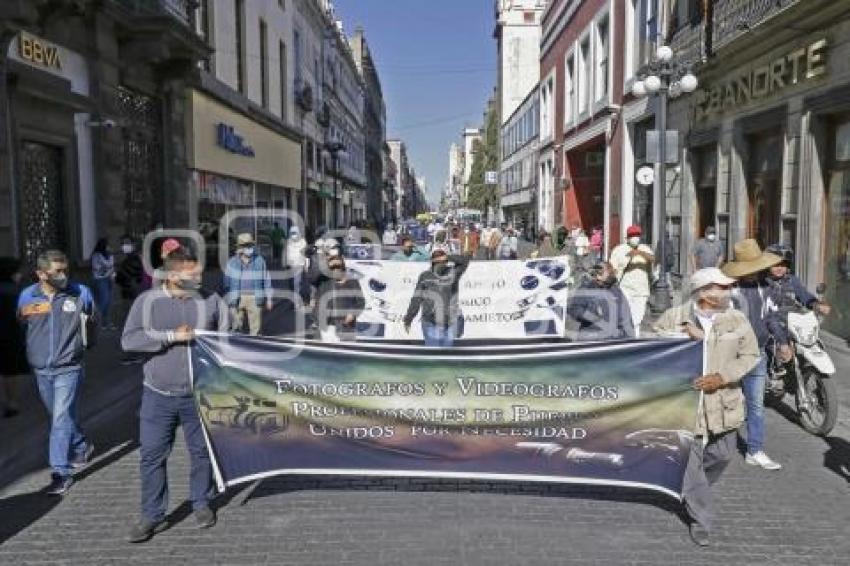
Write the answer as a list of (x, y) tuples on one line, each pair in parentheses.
[(783, 251)]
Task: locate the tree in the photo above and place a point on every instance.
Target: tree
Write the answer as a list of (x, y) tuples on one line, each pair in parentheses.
[(485, 158)]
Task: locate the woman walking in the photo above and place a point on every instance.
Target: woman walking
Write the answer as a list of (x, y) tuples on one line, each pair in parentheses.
[(103, 273)]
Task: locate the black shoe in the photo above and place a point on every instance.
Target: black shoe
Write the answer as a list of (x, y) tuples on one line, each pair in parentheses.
[(205, 518), (144, 530), (82, 462), (699, 534), (59, 485)]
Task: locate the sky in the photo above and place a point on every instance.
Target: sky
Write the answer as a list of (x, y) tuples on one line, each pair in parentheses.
[(437, 63)]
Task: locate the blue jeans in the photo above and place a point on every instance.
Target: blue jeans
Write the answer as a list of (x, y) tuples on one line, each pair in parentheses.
[(103, 297), (753, 385), (439, 336), (159, 418), (67, 442)]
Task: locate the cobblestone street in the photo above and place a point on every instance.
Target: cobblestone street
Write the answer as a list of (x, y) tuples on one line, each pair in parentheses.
[(796, 516)]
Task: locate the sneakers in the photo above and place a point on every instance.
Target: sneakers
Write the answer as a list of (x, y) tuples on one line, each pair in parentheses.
[(81, 463), (59, 485), (205, 518), (699, 534), (762, 460), (144, 530)]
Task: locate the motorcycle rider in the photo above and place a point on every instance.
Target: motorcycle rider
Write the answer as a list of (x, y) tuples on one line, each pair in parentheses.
[(749, 267), (784, 288)]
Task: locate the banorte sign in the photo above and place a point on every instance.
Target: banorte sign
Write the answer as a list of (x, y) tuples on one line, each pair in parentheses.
[(801, 65)]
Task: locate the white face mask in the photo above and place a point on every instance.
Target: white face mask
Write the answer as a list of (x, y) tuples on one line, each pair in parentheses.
[(711, 237), (248, 251), (127, 248), (634, 241)]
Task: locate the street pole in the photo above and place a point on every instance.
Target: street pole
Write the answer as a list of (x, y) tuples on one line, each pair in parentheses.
[(662, 287), (336, 189)]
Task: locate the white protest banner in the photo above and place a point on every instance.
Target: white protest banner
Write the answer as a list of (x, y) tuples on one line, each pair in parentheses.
[(498, 299)]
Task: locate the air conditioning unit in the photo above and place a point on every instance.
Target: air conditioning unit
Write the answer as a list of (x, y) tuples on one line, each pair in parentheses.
[(304, 97)]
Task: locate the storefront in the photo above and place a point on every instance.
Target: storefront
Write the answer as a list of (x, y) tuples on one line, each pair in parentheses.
[(244, 174), (50, 202), (767, 153)]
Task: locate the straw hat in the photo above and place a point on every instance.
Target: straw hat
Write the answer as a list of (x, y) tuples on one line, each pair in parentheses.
[(749, 259)]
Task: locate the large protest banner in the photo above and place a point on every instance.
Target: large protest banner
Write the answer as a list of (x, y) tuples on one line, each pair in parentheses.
[(498, 299), (615, 413)]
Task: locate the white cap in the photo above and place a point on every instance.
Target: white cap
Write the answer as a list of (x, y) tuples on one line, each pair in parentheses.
[(709, 276)]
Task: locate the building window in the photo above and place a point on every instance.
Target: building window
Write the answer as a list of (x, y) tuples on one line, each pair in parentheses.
[(569, 90), (600, 88), (296, 40), (204, 28), (284, 101), (546, 114), (583, 76), (239, 7), (642, 32), (264, 64)]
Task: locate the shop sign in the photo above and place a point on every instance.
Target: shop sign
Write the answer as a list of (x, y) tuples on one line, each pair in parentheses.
[(231, 141), (38, 52), (801, 65)]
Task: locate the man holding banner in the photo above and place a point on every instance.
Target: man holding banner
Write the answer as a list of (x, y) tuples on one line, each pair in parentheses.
[(436, 295), (731, 351), (161, 325)]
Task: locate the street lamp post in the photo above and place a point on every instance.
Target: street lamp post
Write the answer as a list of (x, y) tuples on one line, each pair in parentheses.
[(664, 78), (336, 150)]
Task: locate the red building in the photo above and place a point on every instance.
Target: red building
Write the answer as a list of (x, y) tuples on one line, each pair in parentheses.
[(581, 70)]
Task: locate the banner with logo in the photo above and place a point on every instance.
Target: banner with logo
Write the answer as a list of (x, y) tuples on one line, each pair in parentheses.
[(498, 299), (619, 413)]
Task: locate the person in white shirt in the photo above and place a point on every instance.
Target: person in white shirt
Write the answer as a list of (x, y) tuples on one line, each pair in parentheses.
[(390, 238), (295, 258), (632, 262)]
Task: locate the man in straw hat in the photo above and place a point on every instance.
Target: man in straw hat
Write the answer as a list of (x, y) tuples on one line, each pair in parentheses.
[(731, 351), (750, 267), (247, 285)]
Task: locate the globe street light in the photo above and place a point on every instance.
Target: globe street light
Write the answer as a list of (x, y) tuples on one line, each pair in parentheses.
[(665, 78)]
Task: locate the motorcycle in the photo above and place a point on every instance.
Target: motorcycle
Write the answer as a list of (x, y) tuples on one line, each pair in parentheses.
[(808, 375)]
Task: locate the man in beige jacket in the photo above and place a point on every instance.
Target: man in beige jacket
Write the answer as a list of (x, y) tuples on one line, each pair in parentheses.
[(731, 352)]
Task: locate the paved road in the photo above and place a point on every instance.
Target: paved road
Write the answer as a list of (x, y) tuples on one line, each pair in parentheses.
[(798, 516)]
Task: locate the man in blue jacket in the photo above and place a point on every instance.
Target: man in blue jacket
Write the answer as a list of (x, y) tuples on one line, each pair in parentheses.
[(247, 285), (53, 312), (161, 325)]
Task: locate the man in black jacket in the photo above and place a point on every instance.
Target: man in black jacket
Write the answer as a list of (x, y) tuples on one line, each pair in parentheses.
[(598, 310), (339, 300), (436, 295)]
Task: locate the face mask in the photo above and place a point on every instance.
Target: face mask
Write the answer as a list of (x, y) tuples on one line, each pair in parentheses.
[(711, 237), (581, 251), (58, 282), (188, 284), (247, 251), (441, 269), (408, 251), (633, 241), (333, 252), (127, 248)]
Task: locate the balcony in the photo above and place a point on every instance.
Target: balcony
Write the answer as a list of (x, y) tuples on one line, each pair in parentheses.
[(733, 18), (182, 11), (161, 32)]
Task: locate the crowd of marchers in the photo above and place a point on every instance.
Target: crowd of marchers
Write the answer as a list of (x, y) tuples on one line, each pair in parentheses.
[(48, 325)]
